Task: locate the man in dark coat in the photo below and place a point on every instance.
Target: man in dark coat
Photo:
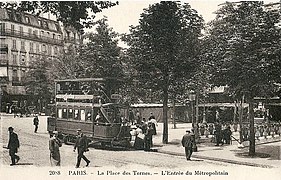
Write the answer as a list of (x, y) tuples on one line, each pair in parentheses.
[(82, 146), (187, 142), (218, 134), (148, 137), (36, 123), (13, 146)]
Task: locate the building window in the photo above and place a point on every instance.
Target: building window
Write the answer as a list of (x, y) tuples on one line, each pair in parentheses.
[(27, 19), (42, 33), (15, 59), (44, 48), (55, 50), (48, 34), (45, 24), (15, 75), (18, 17), (57, 27), (14, 44), (39, 22), (31, 47), (22, 73), (2, 27), (22, 45), (12, 29), (54, 36), (29, 32), (58, 37), (35, 33), (21, 31), (37, 48), (10, 15)]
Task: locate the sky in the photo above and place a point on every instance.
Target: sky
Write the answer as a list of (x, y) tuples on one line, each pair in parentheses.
[(127, 13)]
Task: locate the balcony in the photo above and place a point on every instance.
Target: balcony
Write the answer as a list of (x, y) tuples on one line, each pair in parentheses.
[(4, 47), (33, 37)]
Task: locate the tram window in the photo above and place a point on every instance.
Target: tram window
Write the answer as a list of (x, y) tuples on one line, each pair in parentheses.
[(64, 113), (70, 113), (88, 115), (59, 113), (83, 114), (76, 114)]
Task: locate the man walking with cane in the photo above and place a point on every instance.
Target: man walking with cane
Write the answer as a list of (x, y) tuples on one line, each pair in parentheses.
[(82, 146), (13, 146)]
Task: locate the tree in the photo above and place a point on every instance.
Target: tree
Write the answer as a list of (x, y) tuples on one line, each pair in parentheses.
[(68, 65), (102, 56), (71, 13), (38, 81), (244, 52), (164, 47)]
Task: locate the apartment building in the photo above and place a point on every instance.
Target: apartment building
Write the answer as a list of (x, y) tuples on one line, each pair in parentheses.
[(25, 38)]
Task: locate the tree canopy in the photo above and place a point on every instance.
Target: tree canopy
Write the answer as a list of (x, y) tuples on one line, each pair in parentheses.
[(164, 47)]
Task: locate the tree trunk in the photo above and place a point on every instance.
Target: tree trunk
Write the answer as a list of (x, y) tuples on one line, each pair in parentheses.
[(241, 119), (252, 123), (174, 114), (165, 116)]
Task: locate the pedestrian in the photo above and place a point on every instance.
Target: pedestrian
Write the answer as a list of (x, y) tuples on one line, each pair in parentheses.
[(131, 117), (138, 117), (227, 135), (261, 130), (218, 134), (235, 127), (211, 129), (154, 124), (187, 142), (54, 145), (36, 123), (148, 137), (82, 146), (202, 130), (151, 116), (13, 146)]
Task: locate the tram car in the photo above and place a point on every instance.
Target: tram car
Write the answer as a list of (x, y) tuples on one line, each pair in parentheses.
[(85, 104)]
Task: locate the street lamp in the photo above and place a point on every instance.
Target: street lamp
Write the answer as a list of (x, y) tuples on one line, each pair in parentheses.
[(192, 98)]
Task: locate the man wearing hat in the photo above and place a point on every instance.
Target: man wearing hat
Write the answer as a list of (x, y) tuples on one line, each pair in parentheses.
[(82, 146), (187, 143), (54, 145), (13, 146)]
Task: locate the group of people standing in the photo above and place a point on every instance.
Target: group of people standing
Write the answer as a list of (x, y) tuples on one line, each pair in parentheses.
[(142, 133), (261, 130)]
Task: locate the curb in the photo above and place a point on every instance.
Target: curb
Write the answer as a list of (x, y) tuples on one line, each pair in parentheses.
[(216, 159)]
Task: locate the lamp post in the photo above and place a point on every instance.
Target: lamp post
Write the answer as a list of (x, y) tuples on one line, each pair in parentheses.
[(192, 98)]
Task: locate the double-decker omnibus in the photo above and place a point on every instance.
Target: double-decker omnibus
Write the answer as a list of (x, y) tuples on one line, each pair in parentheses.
[(84, 104)]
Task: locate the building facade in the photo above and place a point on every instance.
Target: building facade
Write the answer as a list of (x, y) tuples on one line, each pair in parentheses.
[(25, 38)]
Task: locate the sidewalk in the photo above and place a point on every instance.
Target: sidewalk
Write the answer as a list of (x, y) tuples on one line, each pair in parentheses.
[(269, 153)]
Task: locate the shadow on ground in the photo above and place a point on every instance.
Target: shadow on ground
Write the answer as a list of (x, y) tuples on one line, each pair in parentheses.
[(269, 152)]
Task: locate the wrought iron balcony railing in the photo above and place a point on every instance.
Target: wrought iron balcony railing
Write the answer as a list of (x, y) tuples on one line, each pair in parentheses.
[(30, 36)]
